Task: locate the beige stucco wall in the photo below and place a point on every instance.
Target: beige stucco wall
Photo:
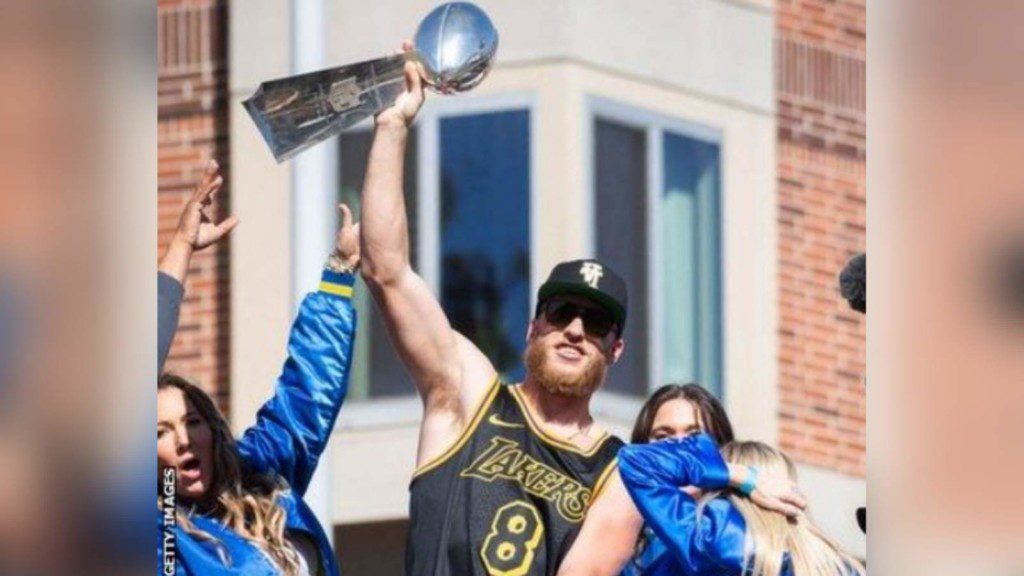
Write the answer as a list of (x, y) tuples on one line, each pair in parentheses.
[(261, 307), (719, 49)]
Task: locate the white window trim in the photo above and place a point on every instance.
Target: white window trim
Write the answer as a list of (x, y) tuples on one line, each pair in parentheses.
[(617, 405), (407, 409)]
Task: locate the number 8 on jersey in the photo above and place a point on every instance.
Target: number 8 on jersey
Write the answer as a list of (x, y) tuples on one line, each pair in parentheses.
[(515, 532)]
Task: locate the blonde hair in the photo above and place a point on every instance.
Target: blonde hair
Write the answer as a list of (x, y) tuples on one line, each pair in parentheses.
[(770, 535), (244, 502)]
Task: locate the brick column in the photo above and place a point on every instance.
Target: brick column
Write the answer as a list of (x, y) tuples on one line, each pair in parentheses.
[(820, 93), (192, 127)]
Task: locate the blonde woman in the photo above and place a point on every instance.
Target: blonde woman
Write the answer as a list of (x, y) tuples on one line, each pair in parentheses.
[(236, 507), (721, 532)]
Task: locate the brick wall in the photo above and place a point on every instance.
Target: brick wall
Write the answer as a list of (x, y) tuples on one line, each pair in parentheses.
[(820, 47), (192, 127)]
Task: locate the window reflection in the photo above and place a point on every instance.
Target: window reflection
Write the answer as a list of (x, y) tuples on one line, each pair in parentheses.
[(485, 232), (620, 238), (690, 262)]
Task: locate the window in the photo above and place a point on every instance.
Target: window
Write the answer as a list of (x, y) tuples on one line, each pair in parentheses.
[(479, 242), (485, 233), (656, 188), (689, 262), (621, 219)]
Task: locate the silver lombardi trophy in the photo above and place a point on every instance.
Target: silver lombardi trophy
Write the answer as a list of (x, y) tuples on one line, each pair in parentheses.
[(455, 44)]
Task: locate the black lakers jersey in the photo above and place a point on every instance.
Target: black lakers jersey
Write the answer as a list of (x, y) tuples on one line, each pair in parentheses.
[(505, 499)]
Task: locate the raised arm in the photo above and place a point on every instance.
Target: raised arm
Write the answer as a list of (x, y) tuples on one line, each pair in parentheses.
[(450, 373), (195, 231), (293, 427)]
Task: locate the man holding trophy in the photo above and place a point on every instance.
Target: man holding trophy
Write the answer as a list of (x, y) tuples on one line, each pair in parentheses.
[(505, 473)]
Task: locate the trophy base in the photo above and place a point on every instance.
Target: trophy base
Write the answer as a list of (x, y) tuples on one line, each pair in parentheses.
[(297, 112)]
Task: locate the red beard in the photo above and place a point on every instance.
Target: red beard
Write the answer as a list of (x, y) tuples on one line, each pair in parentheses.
[(580, 385)]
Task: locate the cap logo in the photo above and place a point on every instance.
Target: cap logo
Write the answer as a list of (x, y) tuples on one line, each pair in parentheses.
[(591, 272)]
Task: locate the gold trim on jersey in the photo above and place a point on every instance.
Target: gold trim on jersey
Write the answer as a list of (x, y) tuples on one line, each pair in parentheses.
[(602, 480), (482, 408), (557, 443)]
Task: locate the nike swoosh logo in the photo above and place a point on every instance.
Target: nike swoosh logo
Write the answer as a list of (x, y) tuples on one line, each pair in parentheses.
[(494, 420)]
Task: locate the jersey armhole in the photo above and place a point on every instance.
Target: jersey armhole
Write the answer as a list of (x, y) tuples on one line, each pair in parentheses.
[(482, 407), (602, 481)]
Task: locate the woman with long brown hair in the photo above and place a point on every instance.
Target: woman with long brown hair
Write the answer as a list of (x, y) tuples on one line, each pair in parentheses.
[(236, 507), (673, 411), (614, 538)]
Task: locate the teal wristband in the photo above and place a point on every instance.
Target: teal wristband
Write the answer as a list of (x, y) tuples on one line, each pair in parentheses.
[(750, 482)]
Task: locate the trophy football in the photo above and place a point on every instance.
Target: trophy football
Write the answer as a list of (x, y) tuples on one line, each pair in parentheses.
[(455, 45)]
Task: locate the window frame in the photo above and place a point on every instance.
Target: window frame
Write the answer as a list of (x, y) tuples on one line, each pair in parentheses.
[(407, 409), (654, 125)]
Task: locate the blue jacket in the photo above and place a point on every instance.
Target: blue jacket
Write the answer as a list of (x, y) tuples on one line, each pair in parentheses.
[(653, 474), (290, 434), (653, 558)]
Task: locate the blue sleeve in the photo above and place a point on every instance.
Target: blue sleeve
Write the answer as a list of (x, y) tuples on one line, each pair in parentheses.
[(169, 293), (293, 427), (653, 475)]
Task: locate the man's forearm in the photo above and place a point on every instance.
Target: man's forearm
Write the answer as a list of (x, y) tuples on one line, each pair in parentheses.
[(385, 233)]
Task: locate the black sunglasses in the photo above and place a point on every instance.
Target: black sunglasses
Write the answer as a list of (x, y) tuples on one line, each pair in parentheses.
[(597, 322)]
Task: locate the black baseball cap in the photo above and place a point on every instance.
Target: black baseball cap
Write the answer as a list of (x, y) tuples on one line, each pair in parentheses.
[(590, 279)]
